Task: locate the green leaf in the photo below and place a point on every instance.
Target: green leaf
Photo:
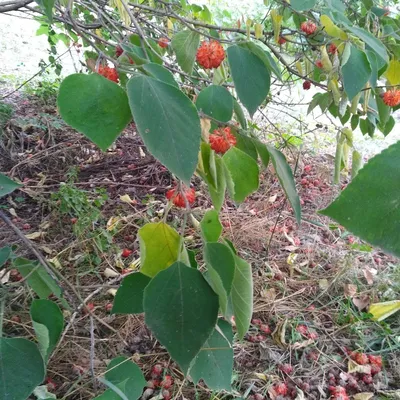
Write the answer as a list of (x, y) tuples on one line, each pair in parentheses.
[(323, 100), (48, 323), (242, 171), (5, 254), (356, 72), (286, 180), (239, 114), (216, 102), (168, 124), (264, 56), (185, 44), (383, 109), (354, 122), (373, 61), (250, 76), (218, 194), (211, 228), (192, 259), (374, 43), (39, 280), (262, 152), (378, 220), (47, 6), (129, 297), (387, 128), (159, 247), (214, 363), (126, 376), (22, 368), (221, 268), (246, 144), (7, 185), (242, 296), (94, 106), (159, 72), (302, 5), (181, 310)]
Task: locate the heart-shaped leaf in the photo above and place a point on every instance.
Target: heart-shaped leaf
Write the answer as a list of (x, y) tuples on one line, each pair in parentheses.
[(181, 310), (94, 106), (167, 122)]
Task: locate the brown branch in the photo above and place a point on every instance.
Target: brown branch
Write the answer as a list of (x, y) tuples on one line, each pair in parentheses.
[(13, 5)]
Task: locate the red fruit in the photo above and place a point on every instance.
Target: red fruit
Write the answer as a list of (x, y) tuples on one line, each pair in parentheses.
[(256, 321), (351, 239), (391, 97), (319, 64), (16, 319), (210, 54), (163, 42), (108, 307), (26, 227), (74, 220), (280, 389), (15, 276), (167, 382), (339, 393), (305, 387), (308, 27), (302, 329), (281, 40), (109, 73), (359, 358), (118, 51), (265, 328), (375, 360), (306, 85), (156, 383), (166, 395), (307, 168), (126, 253), (50, 384), (312, 335), (157, 369), (78, 369), (375, 369), (221, 140), (89, 306), (332, 48), (261, 338), (286, 368), (179, 199), (252, 339), (367, 379), (316, 182), (304, 182)]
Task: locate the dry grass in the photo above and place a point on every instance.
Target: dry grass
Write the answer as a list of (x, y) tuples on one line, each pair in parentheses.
[(299, 272)]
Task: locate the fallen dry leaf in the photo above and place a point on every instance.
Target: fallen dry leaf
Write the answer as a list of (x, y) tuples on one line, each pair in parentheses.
[(112, 292), (363, 396), (350, 290), (323, 284), (352, 367), (278, 335), (269, 294), (300, 395), (272, 198), (301, 345), (369, 275), (34, 235), (361, 302), (126, 199), (110, 273)]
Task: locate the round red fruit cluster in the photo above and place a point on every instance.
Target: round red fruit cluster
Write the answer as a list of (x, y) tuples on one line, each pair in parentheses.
[(363, 359), (109, 73), (391, 97), (178, 198), (319, 64), (306, 85), (308, 27), (304, 331), (163, 42), (221, 140), (332, 48), (210, 54)]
